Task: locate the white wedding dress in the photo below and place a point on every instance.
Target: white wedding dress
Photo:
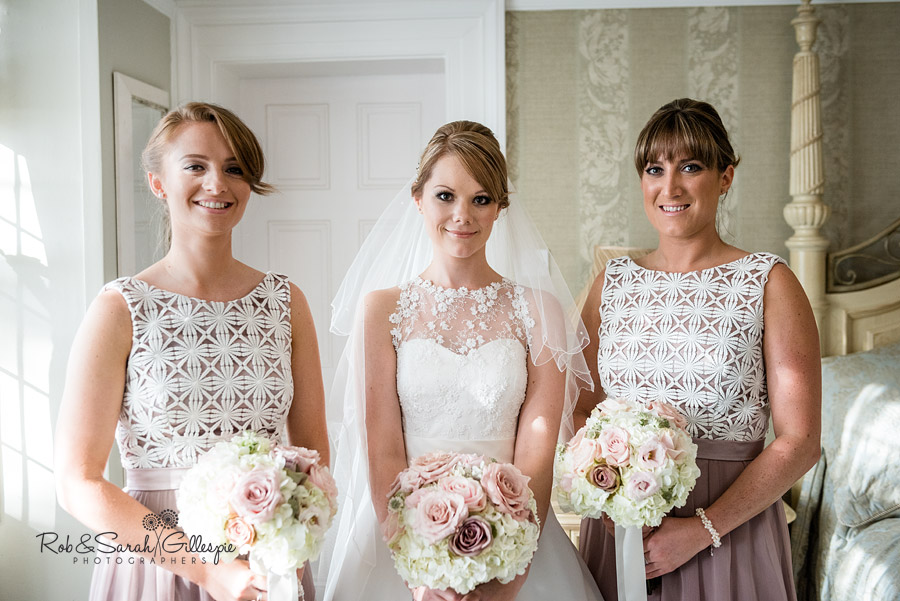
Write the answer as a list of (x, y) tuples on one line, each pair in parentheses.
[(461, 379)]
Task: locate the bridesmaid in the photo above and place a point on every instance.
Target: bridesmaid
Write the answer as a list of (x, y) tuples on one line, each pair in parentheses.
[(729, 338), (194, 349)]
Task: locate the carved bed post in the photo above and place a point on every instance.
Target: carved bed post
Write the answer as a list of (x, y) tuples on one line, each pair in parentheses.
[(806, 212)]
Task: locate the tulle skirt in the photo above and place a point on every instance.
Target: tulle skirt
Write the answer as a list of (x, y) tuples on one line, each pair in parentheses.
[(131, 577), (753, 563)]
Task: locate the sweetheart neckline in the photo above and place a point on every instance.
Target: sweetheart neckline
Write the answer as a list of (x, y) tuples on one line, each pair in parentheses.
[(471, 351)]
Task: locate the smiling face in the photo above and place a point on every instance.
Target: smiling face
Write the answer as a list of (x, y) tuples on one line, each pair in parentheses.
[(681, 196), (459, 214), (201, 181)]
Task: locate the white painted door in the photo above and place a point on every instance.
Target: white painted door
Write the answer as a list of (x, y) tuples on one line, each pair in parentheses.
[(338, 148)]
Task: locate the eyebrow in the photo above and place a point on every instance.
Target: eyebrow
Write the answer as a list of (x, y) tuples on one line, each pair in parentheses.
[(481, 192), (205, 158)]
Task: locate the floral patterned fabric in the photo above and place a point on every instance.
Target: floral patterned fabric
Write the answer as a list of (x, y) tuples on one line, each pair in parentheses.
[(691, 339), (200, 371)]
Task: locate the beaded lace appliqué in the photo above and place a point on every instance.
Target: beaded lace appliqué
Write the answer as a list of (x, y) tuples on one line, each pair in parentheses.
[(200, 371), (461, 359), (693, 339)]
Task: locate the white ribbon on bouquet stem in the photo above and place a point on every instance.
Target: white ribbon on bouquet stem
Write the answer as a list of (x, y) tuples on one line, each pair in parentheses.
[(630, 571), (282, 587)]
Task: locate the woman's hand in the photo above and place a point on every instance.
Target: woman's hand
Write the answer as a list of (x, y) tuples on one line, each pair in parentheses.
[(234, 581), (672, 544), (423, 593), (494, 591)]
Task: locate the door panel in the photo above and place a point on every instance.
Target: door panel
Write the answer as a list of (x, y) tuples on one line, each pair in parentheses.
[(338, 149)]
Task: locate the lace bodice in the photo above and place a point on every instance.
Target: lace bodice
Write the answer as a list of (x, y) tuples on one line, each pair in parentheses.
[(461, 359), (693, 339), (201, 371)]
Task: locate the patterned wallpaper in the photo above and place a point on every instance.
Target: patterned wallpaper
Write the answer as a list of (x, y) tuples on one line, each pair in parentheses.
[(581, 84)]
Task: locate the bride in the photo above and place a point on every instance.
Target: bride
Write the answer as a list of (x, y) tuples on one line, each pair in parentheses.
[(447, 353)]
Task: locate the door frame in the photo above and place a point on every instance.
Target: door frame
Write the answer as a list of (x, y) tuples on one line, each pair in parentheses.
[(215, 41)]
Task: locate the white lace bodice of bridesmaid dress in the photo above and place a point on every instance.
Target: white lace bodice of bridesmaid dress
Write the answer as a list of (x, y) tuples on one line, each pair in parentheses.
[(202, 371), (461, 359)]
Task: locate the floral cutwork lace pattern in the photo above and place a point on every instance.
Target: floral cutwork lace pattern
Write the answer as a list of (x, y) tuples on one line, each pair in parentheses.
[(201, 371), (692, 339), (461, 359), (461, 319)]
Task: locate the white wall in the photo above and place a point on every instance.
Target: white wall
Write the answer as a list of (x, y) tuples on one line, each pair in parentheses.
[(49, 206)]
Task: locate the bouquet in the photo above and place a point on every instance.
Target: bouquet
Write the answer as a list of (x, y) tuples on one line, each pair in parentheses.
[(271, 502), (456, 521), (630, 461)]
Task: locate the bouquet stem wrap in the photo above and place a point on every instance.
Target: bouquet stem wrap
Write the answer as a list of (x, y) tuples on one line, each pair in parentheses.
[(630, 572), (282, 587)]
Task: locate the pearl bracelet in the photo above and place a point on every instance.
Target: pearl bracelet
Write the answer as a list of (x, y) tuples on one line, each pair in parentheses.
[(713, 533)]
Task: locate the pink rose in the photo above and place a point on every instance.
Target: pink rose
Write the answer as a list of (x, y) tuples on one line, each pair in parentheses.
[(669, 412), (321, 478), (665, 438), (585, 454), (438, 514), (297, 459), (413, 499), (614, 446), (256, 495), (238, 532), (641, 485), (472, 537), (507, 488), (432, 466), (611, 406), (407, 481), (566, 482), (604, 477), (390, 527), (469, 489), (652, 454)]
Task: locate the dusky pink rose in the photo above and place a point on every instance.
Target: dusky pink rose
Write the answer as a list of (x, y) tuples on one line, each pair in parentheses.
[(641, 485), (390, 527), (614, 446), (438, 514), (651, 454), (507, 488), (298, 459), (256, 495), (585, 454), (470, 490), (320, 477), (433, 466), (472, 537), (604, 477), (239, 532), (668, 442), (669, 412)]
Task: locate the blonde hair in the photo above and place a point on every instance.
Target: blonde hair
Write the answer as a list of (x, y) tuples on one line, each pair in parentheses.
[(476, 148), (685, 127), (241, 141)]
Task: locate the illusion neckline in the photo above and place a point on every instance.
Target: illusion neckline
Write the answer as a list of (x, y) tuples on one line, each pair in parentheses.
[(462, 290)]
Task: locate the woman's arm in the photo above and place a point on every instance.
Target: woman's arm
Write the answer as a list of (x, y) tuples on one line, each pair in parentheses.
[(793, 377), (306, 419), (90, 408), (590, 315), (384, 427)]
